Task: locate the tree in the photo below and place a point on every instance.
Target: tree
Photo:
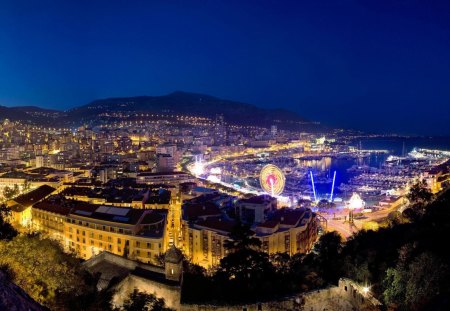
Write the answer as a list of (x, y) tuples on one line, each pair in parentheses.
[(7, 232), (325, 204), (303, 273), (281, 261), (8, 192), (412, 286), (240, 238), (44, 271), (419, 193), (197, 285), (328, 250), (419, 196), (245, 274), (26, 185), (141, 301)]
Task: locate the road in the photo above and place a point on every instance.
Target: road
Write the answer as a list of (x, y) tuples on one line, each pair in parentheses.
[(342, 226)]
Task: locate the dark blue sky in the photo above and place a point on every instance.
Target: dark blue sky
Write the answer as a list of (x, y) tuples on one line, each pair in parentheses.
[(374, 65)]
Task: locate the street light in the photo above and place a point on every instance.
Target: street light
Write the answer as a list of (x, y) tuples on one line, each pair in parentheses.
[(365, 290)]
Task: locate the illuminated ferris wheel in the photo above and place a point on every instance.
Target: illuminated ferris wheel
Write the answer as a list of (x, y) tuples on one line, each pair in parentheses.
[(272, 179)]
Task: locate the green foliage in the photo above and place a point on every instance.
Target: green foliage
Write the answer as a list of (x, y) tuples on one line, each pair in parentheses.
[(325, 204), (47, 274), (196, 284), (328, 250), (280, 262), (245, 266), (407, 263), (419, 193), (241, 237), (9, 192), (419, 196), (304, 273), (141, 301), (26, 185), (247, 274), (7, 232), (411, 286), (394, 287)]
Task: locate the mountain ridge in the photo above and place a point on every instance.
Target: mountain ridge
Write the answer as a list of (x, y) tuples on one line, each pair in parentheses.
[(178, 102)]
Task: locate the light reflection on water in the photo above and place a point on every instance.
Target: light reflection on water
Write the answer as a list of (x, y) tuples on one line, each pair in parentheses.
[(299, 183)]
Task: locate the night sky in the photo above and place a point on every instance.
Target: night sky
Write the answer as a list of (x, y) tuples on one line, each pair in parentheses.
[(374, 65)]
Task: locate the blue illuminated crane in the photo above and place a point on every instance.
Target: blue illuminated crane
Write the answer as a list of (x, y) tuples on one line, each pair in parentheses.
[(313, 188), (332, 187)]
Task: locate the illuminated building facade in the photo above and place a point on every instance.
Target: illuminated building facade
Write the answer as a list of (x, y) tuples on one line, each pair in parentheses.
[(220, 131), (203, 241), (167, 178), (87, 229), (205, 229), (256, 209), (288, 231), (21, 206)]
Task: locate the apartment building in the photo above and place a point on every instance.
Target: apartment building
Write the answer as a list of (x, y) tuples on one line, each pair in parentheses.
[(87, 229)]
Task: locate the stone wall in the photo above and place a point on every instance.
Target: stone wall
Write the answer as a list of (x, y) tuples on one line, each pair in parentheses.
[(324, 299), (348, 296), (120, 261), (171, 294), (284, 305), (354, 293)]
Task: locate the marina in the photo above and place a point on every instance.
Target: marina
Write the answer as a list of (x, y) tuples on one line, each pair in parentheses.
[(332, 175)]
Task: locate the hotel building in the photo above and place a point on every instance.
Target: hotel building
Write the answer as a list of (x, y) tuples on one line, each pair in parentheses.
[(87, 229), (205, 229)]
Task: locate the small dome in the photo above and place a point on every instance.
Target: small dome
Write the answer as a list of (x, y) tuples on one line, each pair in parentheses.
[(173, 255)]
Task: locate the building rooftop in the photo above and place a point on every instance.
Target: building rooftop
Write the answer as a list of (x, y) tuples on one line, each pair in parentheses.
[(110, 266), (34, 196), (156, 195), (162, 173), (154, 217), (112, 214), (204, 190), (260, 199), (152, 220), (217, 224), (18, 208), (269, 224), (197, 210), (286, 218), (46, 171), (173, 255)]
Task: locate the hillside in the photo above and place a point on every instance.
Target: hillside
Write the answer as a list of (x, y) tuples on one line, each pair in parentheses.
[(177, 103), (31, 114), (190, 104)]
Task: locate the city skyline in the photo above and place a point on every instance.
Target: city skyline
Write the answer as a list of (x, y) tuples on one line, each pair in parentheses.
[(224, 155), (375, 67)]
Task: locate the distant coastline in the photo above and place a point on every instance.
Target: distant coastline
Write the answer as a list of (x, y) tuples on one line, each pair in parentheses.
[(395, 144)]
